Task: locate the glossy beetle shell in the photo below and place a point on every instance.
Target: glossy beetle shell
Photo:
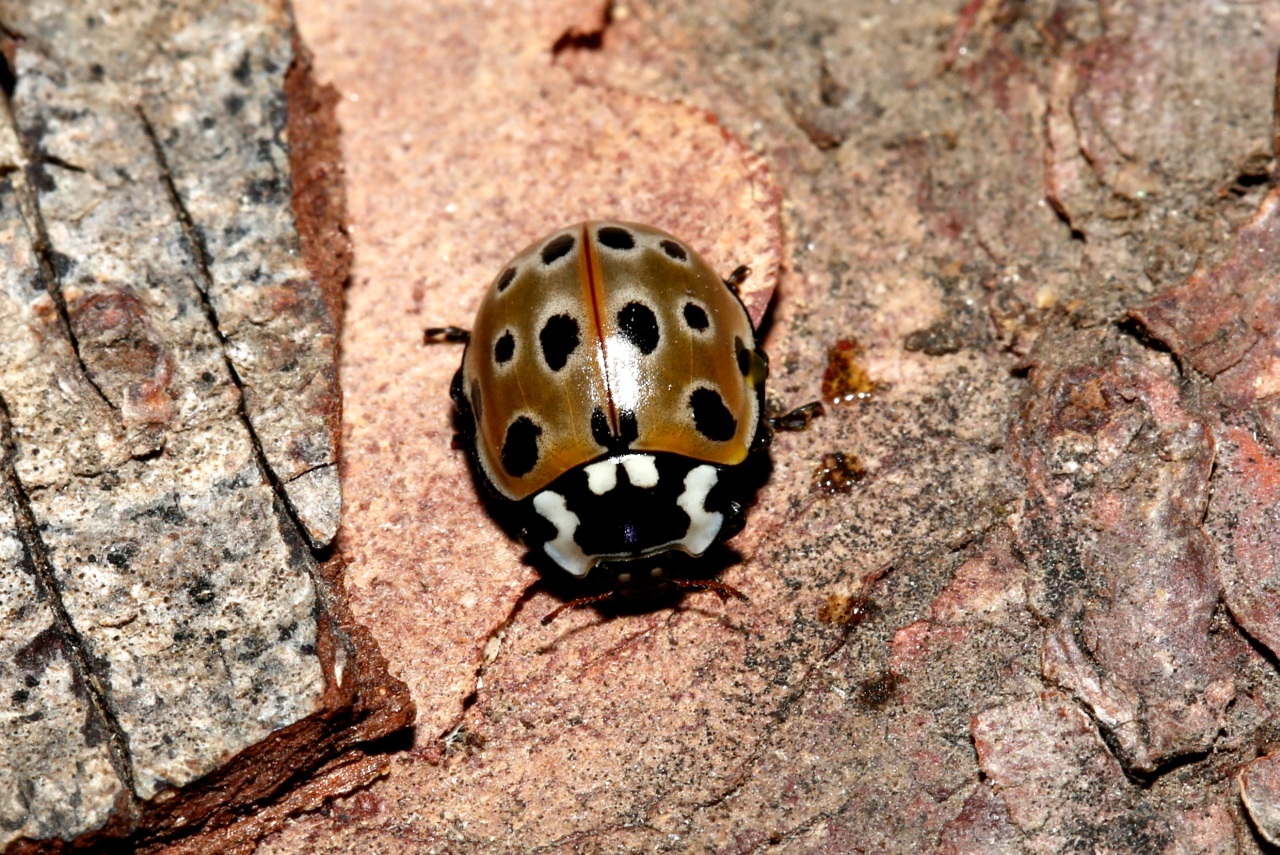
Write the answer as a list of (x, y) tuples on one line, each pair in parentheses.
[(608, 338)]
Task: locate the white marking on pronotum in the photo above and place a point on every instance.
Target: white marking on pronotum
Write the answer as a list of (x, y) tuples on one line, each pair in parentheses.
[(641, 470), (703, 525), (564, 550), (603, 476)]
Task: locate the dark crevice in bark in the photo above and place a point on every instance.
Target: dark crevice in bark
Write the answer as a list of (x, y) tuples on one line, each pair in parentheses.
[(290, 525), (29, 204), (54, 160), (38, 563), (1132, 327), (8, 80), (1062, 214)]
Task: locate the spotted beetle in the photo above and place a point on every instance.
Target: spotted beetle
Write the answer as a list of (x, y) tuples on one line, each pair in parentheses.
[(611, 402)]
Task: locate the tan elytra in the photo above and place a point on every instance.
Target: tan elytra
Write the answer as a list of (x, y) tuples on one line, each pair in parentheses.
[(606, 337)]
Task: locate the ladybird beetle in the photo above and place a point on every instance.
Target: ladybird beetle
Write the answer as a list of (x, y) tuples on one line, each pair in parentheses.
[(611, 400)]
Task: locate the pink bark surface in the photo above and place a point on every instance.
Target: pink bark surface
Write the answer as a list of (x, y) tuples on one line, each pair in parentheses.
[(1007, 635)]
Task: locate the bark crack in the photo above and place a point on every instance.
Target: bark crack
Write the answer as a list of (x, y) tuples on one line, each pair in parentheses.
[(41, 568), (204, 286), (29, 206)]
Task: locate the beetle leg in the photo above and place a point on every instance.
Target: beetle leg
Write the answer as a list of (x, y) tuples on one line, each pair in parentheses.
[(445, 335), (725, 591), (737, 277), (798, 419), (573, 604)]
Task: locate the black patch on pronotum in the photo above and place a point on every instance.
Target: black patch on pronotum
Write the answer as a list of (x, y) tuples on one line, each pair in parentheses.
[(559, 339), (674, 250), (639, 326), (505, 348), (744, 356), (556, 248), (508, 276), (520, 449), (695, 316), (710, 416), (616, 238)]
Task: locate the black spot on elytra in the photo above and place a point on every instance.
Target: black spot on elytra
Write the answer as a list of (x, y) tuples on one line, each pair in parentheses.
[(556, 248), (508, 276), (744, 356), (674, 250), (520, 449), (639, 326), (710, 416), (600, 428), (505, 348), (616, 238), (696, 317), (559, 339), (628, 429)]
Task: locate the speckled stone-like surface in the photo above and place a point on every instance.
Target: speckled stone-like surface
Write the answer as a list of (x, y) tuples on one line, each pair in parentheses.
[(57, 777), (206, 107), (176, 649), (170, 562)]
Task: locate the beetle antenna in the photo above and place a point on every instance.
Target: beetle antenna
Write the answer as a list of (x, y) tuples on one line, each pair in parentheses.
[(573, 604), (445, 335)]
